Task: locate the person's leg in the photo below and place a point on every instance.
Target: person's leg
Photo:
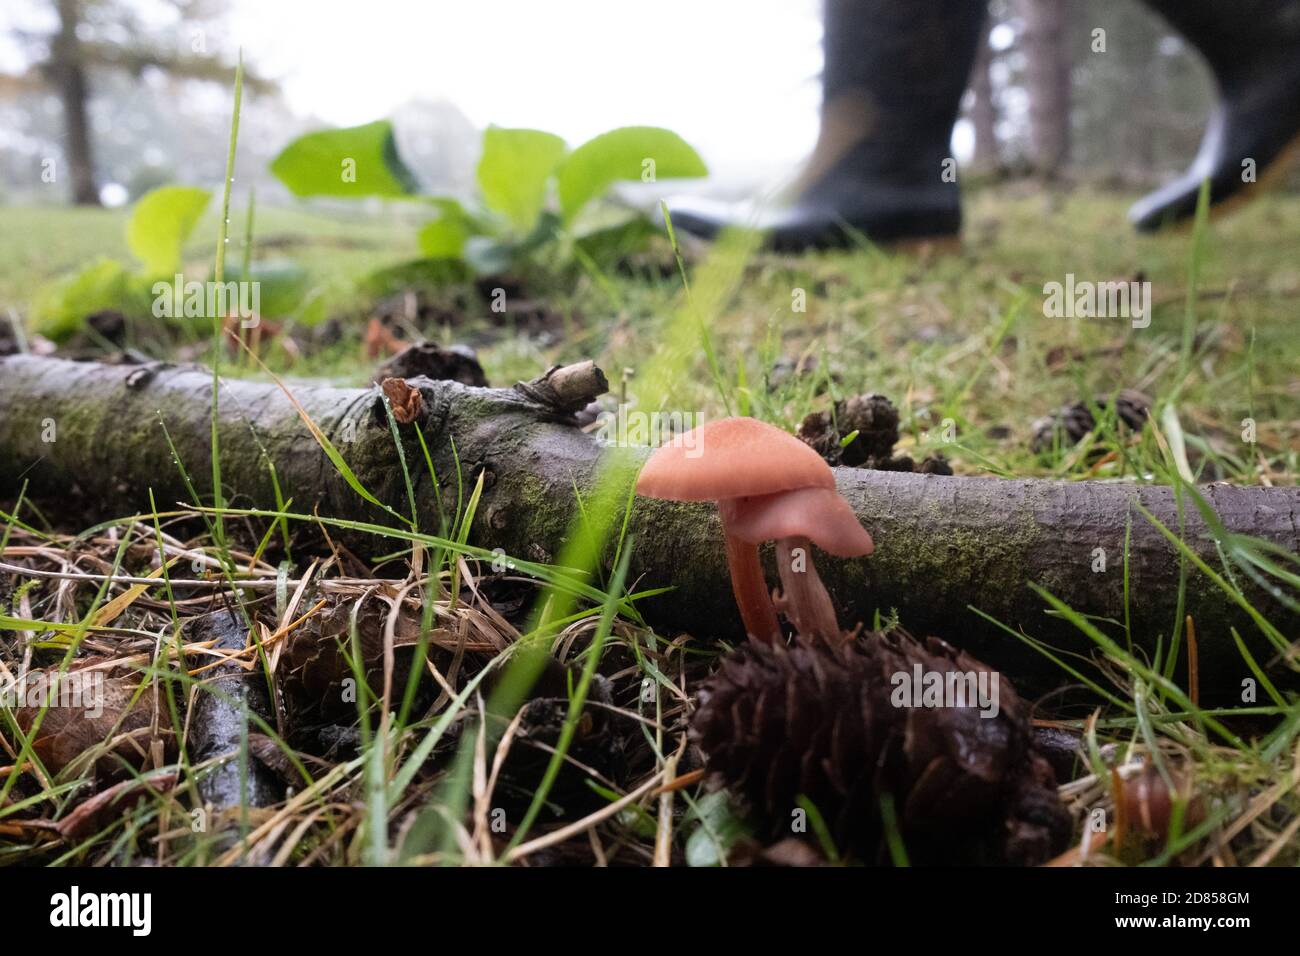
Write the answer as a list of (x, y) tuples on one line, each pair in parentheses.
[(892, 84), (1253, 49)]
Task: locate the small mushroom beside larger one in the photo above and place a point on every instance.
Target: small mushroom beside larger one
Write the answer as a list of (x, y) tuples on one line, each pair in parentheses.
[(793, 519), (769, 486)]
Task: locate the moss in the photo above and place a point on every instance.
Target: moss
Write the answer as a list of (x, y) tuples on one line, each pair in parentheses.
[(943, 543)]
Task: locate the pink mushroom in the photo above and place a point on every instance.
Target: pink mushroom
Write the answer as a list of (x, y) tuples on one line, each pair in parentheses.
[(795, 520), (769, 486)]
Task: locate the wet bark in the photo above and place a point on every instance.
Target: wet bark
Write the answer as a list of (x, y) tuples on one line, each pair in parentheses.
[(219, 721), (943, 544)]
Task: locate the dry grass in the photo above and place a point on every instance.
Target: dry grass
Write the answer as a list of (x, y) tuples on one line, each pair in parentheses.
[(959, 339)]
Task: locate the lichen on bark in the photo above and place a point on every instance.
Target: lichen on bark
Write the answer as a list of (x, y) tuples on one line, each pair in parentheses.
[(944, 544)]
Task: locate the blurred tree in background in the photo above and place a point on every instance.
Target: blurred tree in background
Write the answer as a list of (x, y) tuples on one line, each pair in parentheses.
[(1140, 107), (93, 40), (1095, 90), (132, 93), (1045, 38)]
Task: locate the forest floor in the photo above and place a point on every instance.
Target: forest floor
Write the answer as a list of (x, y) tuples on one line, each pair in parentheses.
[(960, 343), (963, 337)]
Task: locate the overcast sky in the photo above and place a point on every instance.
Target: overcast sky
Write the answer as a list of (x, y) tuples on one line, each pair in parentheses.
[(737, 78)]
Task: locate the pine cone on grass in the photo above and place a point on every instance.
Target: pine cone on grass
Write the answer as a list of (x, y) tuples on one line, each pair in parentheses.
[(314, 668), (776, 723), (873, 422), (599, 743), (1071, 422), (873, 417)]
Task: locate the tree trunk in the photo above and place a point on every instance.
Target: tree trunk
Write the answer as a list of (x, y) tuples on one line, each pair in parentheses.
[(983, 112), (88, 435), (68, 72), (1047, 78)]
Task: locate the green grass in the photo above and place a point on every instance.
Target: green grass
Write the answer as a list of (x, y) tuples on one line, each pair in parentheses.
[(959, 343), (40, 243), (961, 338)]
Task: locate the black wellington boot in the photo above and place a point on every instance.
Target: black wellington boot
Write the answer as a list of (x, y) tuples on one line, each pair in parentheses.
[(894, 74), (1253, 49)]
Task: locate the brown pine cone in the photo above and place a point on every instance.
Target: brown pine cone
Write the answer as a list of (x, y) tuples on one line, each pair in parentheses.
[(314, 667), (873, 417), (776, 723), (598, 743), (1072, 422)]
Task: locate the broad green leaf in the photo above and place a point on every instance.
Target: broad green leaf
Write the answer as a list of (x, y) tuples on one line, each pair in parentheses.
[(514, 172), (491, 254), (160, 224), (444, 237), (607, 245), (718, 831), (282, 285), (646, 153), (62, 307), (597, 220), (354, 162), (391, 279)]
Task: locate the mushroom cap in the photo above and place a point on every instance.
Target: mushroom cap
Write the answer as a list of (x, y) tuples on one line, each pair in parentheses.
[(820, 515), (729, 458)]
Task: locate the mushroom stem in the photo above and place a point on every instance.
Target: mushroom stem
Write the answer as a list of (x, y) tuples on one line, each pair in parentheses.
[(808, 605), (750, 588)]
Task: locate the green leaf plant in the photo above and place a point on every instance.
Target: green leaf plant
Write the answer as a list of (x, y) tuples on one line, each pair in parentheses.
[(535, 195)]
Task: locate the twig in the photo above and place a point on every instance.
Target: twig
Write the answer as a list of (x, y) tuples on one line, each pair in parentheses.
[(680, 783), (664, 831)]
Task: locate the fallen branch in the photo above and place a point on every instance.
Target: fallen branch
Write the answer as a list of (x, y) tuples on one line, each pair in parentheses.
[(90, 434)]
